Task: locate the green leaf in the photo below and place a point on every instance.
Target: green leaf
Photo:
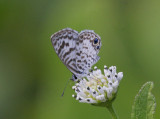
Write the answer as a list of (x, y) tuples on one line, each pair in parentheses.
[(144, 103)]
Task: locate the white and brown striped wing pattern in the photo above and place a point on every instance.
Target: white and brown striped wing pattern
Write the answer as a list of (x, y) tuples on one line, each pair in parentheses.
[(77, 51), (86, 50), (64, 43)]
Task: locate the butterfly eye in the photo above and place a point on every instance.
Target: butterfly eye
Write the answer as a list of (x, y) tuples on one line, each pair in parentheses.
[(95, 42)]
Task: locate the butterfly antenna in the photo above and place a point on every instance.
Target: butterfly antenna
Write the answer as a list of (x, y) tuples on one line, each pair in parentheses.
[(65, 88)]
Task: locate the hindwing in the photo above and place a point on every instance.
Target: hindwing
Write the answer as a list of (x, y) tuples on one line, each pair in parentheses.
[(86, 50)]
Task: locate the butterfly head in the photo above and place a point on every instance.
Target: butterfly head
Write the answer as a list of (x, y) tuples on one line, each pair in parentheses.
[(74, 78)]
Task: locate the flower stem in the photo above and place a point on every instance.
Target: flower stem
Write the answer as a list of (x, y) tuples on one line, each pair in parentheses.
[(112, 111)]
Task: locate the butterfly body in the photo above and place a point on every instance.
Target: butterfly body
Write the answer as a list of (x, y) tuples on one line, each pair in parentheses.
[(78, 51)]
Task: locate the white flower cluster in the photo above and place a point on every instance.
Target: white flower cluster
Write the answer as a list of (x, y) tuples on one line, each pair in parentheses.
[(97, 88)]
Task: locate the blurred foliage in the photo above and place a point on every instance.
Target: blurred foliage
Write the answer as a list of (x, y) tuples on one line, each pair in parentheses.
[(32, 77), (144, 103)]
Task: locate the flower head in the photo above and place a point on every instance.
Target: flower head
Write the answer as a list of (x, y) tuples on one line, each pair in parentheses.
[(97, 87)]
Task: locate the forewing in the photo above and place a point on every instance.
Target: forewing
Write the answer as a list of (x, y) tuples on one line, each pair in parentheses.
[(86, 52), (64, 43)]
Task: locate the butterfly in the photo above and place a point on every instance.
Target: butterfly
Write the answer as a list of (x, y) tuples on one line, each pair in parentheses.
[(78, 51)]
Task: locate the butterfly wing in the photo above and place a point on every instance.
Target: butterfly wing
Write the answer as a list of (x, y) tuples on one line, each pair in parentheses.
[(87, 50), (64, 43)]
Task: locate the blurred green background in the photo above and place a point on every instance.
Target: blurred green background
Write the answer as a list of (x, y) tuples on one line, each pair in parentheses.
[(32, 77)]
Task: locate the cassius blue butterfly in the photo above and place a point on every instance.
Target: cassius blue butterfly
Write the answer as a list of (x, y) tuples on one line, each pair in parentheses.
[(78, 51)]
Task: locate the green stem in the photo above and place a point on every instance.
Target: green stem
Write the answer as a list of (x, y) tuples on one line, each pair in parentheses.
[(112, 111)]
